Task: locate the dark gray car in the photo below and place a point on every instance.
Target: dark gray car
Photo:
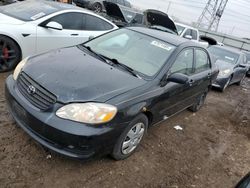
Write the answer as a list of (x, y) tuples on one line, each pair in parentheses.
[(232, 65), (97, 5), (248, 63)]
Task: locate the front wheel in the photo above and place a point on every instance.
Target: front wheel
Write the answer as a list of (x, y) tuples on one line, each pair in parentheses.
[(10, 54), (241, 81), (226, 84), (131, 138)]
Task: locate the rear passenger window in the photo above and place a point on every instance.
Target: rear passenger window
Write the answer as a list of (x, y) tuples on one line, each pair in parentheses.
[(93, 23), (184, 63), (202, 62)]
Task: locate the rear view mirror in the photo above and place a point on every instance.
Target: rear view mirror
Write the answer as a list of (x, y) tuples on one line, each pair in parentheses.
[(178, 78), (188, 37), (54, 25)]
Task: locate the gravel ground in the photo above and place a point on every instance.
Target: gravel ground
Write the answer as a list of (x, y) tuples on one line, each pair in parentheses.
[(213, 150)]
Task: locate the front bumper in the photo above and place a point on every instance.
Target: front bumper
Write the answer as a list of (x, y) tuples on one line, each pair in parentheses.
[(68, 138), (220, 82)]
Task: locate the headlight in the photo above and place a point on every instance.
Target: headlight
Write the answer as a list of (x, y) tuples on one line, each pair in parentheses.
[(91, 113), (224, 72), (19, 68)]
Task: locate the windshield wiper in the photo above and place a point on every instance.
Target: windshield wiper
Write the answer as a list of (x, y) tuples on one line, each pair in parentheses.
[(125, 67), (113, 61), (98, 55)]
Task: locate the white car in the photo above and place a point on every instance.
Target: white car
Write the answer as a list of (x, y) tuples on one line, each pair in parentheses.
[(33, 27), (188, 32)]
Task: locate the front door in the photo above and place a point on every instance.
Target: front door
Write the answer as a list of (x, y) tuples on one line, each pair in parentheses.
[(48, 39), (178, 96)]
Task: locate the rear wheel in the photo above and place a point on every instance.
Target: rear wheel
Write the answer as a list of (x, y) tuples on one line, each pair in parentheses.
[(130, 138), (97, 7), (199, 103), (10, 54)]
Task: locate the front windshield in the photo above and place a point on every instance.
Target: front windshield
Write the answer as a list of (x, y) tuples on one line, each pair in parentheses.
[(144, 54), (224, 55), (180, 29), (32, 10)]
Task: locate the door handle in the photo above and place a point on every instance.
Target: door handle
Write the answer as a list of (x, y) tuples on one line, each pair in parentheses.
[(191, 81), (74, 34)]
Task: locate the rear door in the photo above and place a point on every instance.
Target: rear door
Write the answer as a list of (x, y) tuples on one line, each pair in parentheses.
[(239, 70)]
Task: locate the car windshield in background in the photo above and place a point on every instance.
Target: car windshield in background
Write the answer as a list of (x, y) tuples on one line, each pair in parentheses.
[(180, 29), (144, 54), (32, 10), (224, 55)]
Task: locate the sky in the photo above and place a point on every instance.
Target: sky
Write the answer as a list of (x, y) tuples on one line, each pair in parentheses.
[(235, 20)]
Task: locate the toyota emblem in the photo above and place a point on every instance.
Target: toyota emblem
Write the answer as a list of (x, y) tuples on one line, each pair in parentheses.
[(31, 90)]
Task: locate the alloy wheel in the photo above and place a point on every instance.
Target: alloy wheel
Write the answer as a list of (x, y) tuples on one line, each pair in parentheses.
[(97, 8), (7, 55)]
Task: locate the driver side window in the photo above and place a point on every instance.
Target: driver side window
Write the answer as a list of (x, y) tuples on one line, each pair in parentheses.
[(70, 21), (184, 63)]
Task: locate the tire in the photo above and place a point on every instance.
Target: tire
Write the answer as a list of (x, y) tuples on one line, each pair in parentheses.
[(226, 85), (199, 103), (10, 54), (125, 146), (97, 7), (241, 81)]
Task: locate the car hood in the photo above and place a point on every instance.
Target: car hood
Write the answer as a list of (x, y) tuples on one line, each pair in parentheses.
[(223, 65), (122, 13), (75, 76), (158, 18), (4, 19), (148, 18)]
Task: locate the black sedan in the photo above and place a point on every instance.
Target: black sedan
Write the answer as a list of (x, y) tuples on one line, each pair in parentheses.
[(232, 66), (100, 97)]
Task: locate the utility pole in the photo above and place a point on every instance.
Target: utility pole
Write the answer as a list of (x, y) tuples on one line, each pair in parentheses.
[(211, 15), (169, 5)]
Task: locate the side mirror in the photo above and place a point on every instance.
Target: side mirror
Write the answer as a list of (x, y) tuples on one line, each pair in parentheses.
[(178, 78), (54, 25), (188, 37)]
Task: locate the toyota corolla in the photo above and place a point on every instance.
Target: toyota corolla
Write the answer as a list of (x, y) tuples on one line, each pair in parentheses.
[(100, 97)]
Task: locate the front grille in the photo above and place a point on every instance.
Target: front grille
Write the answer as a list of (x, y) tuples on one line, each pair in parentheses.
[(34, 93)]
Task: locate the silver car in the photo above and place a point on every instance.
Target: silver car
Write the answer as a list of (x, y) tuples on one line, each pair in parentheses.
[(97, 5)]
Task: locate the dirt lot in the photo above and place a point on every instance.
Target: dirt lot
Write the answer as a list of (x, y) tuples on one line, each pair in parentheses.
[(213, 150)]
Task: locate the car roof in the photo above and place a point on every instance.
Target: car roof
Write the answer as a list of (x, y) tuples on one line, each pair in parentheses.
[(233, 50), (164, 36)]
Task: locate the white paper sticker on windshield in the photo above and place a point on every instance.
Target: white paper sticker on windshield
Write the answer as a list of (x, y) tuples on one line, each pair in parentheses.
[(37, 16), (229, 58), (161, 45)]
